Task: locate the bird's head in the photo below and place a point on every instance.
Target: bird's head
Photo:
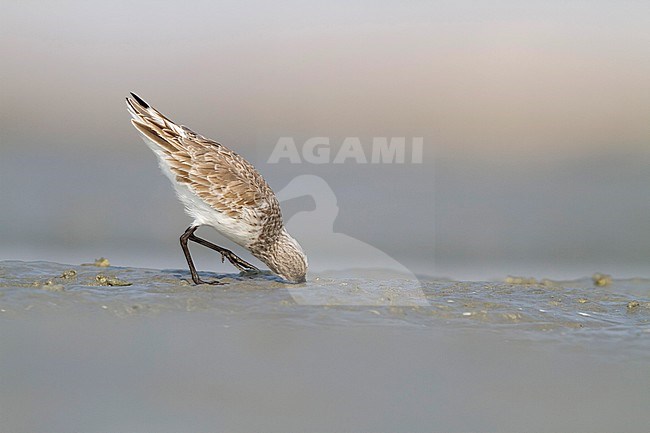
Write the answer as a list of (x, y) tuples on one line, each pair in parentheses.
[(286, 258)]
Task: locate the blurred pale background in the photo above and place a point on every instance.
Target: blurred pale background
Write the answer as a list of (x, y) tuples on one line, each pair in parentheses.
[(535, 117)]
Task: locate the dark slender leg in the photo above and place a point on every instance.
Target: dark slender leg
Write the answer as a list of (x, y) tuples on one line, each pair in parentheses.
[(195, 276), (238, 262)]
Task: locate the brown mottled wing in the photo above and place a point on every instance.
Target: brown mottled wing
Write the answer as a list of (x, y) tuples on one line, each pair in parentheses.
[(219, 176), (225, 180)]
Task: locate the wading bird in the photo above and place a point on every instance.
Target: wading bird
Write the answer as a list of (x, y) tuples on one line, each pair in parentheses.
[(222, 190)]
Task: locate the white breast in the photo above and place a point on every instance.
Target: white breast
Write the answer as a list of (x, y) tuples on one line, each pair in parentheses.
[(240, 231)]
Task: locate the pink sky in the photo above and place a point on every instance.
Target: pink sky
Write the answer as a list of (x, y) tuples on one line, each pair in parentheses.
[(495, 78)]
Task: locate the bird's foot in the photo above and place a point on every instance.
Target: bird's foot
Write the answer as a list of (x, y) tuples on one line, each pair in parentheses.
[(199, 281), (236, 261)]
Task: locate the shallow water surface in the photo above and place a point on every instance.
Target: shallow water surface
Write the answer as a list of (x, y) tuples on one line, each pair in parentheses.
[(620, 307), (96, 349)]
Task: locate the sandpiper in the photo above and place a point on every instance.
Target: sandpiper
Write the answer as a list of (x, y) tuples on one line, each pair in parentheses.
[(222, 190)]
